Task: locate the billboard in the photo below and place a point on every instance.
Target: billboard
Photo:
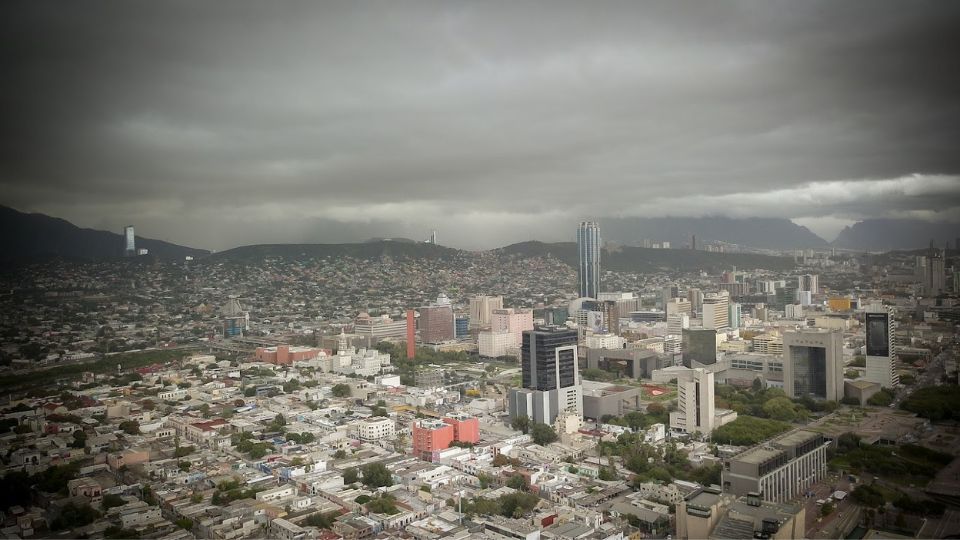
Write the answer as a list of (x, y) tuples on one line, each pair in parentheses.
[(878, 334)]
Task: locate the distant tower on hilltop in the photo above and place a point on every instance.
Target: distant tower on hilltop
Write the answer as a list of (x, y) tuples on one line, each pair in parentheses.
[(129, 242), (588, 248)]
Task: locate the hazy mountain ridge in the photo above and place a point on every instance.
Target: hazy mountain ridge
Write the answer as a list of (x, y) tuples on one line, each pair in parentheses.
[(760, 233), (363, 250), (896, 234), (647, 260), (33, 235)]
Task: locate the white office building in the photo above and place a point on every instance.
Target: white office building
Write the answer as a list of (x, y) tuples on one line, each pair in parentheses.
[(881, 347)]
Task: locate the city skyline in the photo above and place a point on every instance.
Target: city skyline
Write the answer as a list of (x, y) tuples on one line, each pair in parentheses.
[(211, 127)]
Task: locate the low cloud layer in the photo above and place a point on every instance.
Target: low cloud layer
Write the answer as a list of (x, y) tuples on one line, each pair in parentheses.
[(220, 124)]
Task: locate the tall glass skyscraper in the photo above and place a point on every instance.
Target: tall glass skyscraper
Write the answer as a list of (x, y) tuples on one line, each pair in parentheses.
[(588, 246), (129, 241)]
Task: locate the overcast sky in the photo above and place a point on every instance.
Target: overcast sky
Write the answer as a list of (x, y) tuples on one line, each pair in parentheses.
[(216, 124)]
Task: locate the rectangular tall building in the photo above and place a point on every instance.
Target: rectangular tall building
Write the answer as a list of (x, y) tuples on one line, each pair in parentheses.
[(436, 324), (716, 310), (550, 376), (813, 363), (481, 309), (695, 402), (881, 346), (129, 242), (699, 345), (588, 248)]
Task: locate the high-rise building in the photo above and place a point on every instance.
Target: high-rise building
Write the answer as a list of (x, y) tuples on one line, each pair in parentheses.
[(677, 323), (881, 357), (626, 301), (695, 296), (934, 275), (734, 314), (234, 318), (411, 334), (588, 248), (505, 333), (550, 376), (461, 325), (436, 324), (481, 308), (699, 345), (669, 292), (813, 363), (378, 328), (716, 311), (809, 282), (677, 306), (129, 242), (695, 402)]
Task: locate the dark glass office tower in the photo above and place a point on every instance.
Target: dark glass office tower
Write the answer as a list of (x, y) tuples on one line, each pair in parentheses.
[(544, 367)]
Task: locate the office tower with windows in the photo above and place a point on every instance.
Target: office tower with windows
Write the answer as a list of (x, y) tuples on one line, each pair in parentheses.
[(129, 242), (716, 310), (881, 346), (809, 283), (695, 402), (934, 275), (588, 248), (700, 346), (813, 363), (550, 376), (481, 308), (436, 324)]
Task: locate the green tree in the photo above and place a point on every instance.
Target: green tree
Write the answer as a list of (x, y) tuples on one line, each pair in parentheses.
[(341, 390), (883, 398), (110, 500), (350, 475), (543, 434), (130, 427), (517, 482), (339, 454), (322, 521), (780, 408), (79, 439), (607, 474), (185, 523), (73, 515), (384, 504), (377, 475), (521, 423)]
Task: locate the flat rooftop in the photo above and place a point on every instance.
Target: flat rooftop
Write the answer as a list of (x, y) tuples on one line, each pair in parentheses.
[(775, 446)]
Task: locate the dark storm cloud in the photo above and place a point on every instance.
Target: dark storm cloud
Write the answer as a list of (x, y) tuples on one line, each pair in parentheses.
[(217, 124)]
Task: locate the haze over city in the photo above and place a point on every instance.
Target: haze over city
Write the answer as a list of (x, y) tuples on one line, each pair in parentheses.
[(216, 127), (479, 271)]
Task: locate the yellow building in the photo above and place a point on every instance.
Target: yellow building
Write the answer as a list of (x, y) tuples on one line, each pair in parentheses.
[(840, 304)]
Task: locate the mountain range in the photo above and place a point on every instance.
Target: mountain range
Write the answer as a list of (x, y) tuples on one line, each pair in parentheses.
[(31, 235), (37, 235), (901, 234), (761, 233)]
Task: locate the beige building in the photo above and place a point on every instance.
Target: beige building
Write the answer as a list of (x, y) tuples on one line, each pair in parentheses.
[(708, 513), (779, 469), (376, 428)]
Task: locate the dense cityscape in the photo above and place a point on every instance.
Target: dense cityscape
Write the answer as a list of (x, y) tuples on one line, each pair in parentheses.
[(479, 395), (480, 270)]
